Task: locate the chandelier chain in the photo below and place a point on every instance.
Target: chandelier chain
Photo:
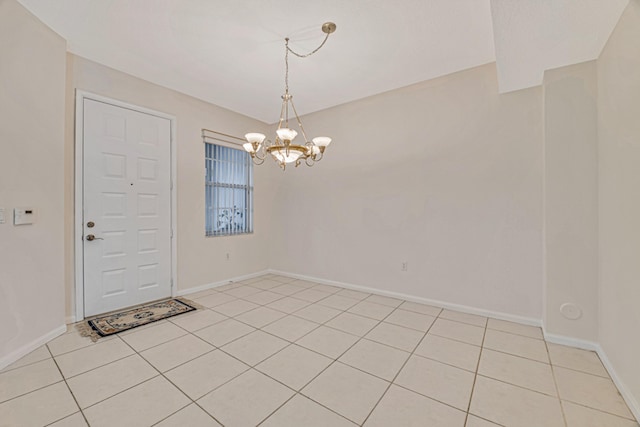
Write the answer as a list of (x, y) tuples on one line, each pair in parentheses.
[(299, 55), (286, 66)]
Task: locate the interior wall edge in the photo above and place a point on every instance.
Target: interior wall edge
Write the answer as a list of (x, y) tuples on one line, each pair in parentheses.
[(629, 398), (625, 392), (18, 353), (192, 290), (442, 304)]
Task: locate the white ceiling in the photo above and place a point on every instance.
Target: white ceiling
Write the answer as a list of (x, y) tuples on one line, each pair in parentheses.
[(536, 35), (231, 53)]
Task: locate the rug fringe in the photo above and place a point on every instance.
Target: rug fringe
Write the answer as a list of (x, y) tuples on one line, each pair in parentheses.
[(85, 330)]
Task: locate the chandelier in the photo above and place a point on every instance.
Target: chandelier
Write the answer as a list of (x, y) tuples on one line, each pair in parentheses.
[(284, 150)]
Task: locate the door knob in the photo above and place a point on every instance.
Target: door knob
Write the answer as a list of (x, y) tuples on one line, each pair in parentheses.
[(91, 237)]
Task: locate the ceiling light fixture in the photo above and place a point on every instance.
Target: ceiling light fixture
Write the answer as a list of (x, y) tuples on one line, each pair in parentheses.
[(283, 150)]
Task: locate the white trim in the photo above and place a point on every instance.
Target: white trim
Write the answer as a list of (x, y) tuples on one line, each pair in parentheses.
[(570, 341), (78, 207), (78, 197), (629, 398), (28, 348), (70, 319), (174, 206), (451, 306), (188, 291)]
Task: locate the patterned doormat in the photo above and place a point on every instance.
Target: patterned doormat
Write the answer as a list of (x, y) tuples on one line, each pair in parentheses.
[(113, 323)]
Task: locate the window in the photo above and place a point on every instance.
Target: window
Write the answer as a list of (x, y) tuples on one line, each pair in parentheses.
[(228, 191)]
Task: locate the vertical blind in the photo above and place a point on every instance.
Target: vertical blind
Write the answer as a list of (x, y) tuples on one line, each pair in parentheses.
[(228, 191)]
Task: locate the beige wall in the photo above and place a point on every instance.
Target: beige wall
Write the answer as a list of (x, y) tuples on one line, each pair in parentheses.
[(201, 260), (571, 199), (32, 68), (444, 174), (619, 193)]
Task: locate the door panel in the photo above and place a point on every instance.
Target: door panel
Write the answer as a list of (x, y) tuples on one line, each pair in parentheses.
[(126, 176)]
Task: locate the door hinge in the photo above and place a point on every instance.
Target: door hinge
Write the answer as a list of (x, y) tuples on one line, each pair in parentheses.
[(172, 233)]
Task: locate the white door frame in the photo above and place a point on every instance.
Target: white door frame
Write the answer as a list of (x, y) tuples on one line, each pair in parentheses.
[(79, 193)]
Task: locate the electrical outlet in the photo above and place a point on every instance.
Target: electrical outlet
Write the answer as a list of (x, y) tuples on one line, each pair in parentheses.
[(405, 265)]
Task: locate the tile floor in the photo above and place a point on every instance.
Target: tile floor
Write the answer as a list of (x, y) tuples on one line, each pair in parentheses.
[(275, 351)]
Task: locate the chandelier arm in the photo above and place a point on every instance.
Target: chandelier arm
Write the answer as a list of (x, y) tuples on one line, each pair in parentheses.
[(257, 162), (304, 134), (306, 161), (257, 156)]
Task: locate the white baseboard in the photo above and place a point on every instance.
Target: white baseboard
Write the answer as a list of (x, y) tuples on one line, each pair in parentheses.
[(569, 341), (28, 348), (632, 402), (70, 319), (451, 306), (183, 292)]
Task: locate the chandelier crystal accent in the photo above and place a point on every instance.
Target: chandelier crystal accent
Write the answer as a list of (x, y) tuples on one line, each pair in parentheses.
[(283, 150)]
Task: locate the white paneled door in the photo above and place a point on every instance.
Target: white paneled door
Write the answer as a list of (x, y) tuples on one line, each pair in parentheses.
[(127, 207)]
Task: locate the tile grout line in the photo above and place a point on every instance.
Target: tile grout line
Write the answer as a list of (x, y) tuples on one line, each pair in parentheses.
[(6, 369), (582, 372), (359, 338), (337, 361), (302, 336), (555, 383), (93, 343), (161, 374), (475, 375), (68, 388), (392, 382), (271, 334), (290, 343), (317, 302), (518, 386), (35, 389), (599, 410), (515, 355), (296, 392), (309, 303), (333, 360), (399, 307), (136, 353)]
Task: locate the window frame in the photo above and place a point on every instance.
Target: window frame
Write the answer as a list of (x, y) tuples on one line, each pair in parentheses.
[(234, 160)]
